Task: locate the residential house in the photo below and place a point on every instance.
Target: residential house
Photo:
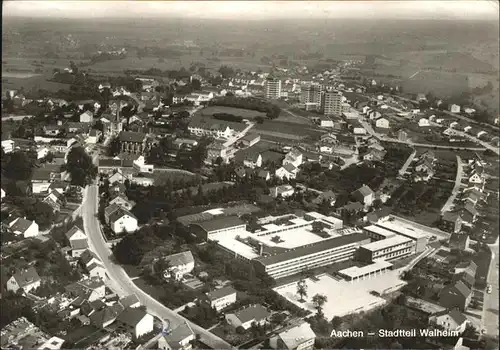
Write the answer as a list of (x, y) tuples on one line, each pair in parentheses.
[(282, 191), (119, 219), (26, 280), (424, 170), (179, 338), (451, 222), (140, 165), (179, 264), (294, 337), (216, 150), (457, 295), (94, 136), (459, 240), (454, 108), (8, 146), (219, 299), (42, 152), (87, 117), (77, 240), (423, 122), (294, 157), (88, 258), (90, 289), (106, 316), (264, 175), (476, 177), (26, 228), (328, 196), (450, 320), (288, 171), (136, 320), (244, 318), (119, 177), (250, 139), (364, 194), (325, 121), (96, 270), (123, 202), (382, 123), (41, 179), (253, 160), (55, 199), (469, 214), (329, 138), (375, 155), (185, 143), (130, 301), (52, 130)]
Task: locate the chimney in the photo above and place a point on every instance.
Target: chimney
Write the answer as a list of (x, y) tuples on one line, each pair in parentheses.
[(261, 249)]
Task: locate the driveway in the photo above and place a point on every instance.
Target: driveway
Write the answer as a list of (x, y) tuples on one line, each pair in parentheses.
[(120, 280), (458, 183)]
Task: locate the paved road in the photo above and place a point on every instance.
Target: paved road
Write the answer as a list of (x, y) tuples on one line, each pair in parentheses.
[(372, 132), (490, 306), (122, 282), (458, 116), (458, 183), (402, 171)]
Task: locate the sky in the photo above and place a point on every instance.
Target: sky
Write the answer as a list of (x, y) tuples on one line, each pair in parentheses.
[(405, 9)]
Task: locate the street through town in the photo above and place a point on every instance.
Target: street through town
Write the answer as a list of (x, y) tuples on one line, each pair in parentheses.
[(120, 280)]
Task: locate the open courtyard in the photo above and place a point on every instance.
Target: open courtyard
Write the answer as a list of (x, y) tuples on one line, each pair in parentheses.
[(343, 297)]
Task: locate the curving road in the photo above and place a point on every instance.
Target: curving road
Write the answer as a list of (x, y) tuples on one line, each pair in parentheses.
[(456, 188), (119, 280)]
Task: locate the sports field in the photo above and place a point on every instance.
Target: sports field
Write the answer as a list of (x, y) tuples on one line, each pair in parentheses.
[(244, 113)]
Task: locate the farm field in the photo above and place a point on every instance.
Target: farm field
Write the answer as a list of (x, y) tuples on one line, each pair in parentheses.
[(244, 113), (34, 82)]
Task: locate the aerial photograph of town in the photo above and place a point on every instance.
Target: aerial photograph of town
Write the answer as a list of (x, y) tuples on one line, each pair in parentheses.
[(187, 175)]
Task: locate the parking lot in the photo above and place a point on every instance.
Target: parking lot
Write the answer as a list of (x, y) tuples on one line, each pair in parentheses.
[(343, 297)]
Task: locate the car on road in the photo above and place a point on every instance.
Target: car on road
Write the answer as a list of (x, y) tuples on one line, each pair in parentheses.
[(488, 289), (483, 331)]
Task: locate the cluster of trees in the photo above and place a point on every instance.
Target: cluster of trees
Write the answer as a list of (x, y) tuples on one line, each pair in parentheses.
[(272, 111), (159, 201), (228, 117), (80, 166), (182, 73), (17, 165), (189, 159)]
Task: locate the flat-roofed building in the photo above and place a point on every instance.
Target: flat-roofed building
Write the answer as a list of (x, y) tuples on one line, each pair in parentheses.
[(311, 256), (204, 229), (418, 233), (356, 273), (377, 233), (387, 249)]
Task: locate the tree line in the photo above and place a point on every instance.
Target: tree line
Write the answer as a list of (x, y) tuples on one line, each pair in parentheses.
[(272, 111)]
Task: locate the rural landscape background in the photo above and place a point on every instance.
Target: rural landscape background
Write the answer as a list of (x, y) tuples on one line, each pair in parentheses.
[(449, 57)]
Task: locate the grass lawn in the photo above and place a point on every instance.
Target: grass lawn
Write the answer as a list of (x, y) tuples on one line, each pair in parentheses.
[(244, 113), (155, 292), (271, 129), (298, 118)]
